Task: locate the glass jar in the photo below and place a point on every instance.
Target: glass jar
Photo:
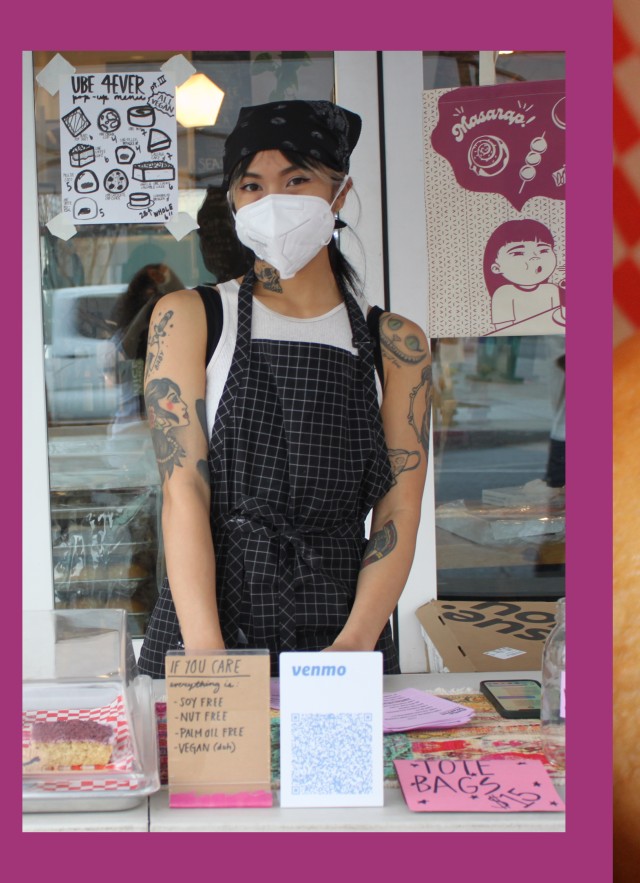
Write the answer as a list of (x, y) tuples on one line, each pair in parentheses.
[(552, 709)]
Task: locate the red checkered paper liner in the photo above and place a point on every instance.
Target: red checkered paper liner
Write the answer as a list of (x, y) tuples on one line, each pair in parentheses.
[(122, 759)]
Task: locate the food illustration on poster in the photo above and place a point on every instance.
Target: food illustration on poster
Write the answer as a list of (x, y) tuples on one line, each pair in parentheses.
[(494, 191), (118, 143)]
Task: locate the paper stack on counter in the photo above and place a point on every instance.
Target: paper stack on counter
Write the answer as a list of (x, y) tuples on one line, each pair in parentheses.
[(410, 710), (416, 710)]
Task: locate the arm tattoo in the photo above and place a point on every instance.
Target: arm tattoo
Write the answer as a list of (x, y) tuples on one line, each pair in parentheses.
[(420, 408), (167, 413), (403, 461), (398, 346), (155, 354), (268, 277), (381, 543)]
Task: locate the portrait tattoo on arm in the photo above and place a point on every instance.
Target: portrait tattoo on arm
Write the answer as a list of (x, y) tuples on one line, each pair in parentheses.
[(381, 543), (167, 413), (155, 354)]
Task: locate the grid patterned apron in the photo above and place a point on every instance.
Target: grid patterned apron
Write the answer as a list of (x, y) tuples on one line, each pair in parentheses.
[(297, 459)]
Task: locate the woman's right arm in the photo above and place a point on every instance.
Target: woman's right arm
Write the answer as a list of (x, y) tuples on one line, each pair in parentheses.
[(175, 379)]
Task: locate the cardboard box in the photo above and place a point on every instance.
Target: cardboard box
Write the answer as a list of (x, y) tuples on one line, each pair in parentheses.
[(485, 635)]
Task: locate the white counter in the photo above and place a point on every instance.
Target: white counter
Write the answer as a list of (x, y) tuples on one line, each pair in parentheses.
[(154, 815)]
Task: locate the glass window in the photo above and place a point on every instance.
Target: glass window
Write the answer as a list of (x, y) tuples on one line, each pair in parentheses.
[(498, 419), (529, 66), (98, 290), (499, 466), (448, 70)]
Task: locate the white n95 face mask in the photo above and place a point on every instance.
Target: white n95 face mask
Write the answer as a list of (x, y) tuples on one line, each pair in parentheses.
[(286, 231)]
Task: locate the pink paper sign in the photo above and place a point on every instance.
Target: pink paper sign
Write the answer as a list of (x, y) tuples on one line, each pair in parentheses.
[(477, 786)]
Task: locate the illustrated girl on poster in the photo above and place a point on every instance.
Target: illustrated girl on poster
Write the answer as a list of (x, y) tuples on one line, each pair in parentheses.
[(519, 260)]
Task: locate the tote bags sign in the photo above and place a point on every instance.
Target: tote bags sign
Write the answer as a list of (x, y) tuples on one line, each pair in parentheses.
[(494, 192)]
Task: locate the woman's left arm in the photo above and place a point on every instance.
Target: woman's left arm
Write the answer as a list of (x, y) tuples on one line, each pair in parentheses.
[(406, 417)]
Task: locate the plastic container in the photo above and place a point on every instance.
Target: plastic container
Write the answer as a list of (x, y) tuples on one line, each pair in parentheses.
[(79, 664), (552, 708)]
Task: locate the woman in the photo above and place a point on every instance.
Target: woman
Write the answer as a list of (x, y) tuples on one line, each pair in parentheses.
[(299, 435)]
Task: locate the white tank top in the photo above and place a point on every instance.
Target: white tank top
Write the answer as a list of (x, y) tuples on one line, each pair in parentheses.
[(333, 329)]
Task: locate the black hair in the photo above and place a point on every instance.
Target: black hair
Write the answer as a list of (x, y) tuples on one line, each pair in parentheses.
[(343, 271), (224, 256)]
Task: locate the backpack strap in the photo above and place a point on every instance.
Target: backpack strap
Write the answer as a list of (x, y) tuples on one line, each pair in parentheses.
[(373, 323), (213, 310)]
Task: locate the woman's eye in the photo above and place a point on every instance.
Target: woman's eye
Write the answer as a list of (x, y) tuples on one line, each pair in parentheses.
[(299, 179), (249, 187)]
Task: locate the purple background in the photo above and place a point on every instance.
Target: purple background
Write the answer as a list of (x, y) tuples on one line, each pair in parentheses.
[(448, 858)]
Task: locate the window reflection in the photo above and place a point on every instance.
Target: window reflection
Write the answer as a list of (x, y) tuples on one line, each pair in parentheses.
[(498, 427), (99, 288)]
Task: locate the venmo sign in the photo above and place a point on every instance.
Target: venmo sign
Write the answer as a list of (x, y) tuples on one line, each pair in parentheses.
[(319, 671)]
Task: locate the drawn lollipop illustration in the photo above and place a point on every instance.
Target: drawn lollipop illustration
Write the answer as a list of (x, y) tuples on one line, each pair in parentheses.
[(533, 158), (488, 155)]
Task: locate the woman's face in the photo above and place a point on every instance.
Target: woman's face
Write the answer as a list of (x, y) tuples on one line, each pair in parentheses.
[(174, 405), (527, 263), (270, 172)]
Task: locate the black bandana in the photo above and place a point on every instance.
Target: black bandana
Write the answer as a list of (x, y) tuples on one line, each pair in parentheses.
[(318, 129)]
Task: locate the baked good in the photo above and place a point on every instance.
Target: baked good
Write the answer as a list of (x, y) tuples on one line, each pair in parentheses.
[(141, 115), (81, 155), (139, 200), (85, 208), (86, 182), (125, 154), (488, 155), (72, 743), (158, 140), (154, 170), (76, 121), (131, 605), (626, 602), (109, 120), (115, 181)]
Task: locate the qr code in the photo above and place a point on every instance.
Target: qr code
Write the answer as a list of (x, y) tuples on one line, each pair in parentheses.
[(331, 753)]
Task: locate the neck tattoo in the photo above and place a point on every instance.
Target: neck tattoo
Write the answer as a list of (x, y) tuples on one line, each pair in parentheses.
[(268, 277)]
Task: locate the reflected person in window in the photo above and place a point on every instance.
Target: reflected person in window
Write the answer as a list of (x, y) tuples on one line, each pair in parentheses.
[(307, 409)]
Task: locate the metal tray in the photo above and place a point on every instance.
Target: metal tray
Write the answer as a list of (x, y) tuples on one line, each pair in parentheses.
[(144, 732)]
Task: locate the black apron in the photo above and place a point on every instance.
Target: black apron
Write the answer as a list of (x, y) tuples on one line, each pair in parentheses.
[(297, 459)]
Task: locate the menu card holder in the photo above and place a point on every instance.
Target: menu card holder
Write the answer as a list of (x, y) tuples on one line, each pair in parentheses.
[(219, 728)]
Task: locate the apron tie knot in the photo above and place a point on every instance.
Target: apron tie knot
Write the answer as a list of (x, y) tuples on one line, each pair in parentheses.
[(281, 531)]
